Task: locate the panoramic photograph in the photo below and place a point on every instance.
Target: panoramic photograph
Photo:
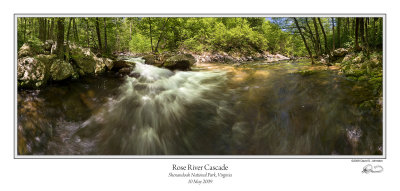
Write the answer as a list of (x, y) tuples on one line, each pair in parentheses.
[(247, 86)]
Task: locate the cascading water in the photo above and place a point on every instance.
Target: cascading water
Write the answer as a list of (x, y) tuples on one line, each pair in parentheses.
[(216, 109), (160, 112)]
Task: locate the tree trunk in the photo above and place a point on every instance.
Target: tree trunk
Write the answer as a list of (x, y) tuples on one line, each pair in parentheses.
[(304, 40), (317, 36), (161, 35), (374, 32), (130, 30), (48, 30), (314, 41), (323, 32), (347, 28), (362, 32), (333, 34), (338, 31), (51, 35), (75, 31), (105, 36), (60, 38), (67, 56), (366, 32), (24, 28), (98, 34), (357, 46), (87, 32), (151, 36)]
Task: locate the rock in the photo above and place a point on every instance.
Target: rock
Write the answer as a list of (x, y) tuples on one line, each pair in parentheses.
[(25, 50), (46, 59), (125, 71), (100, 65), (48, 45), (340, 52), (84, 59), (348, 57), (61, 70), (281, 57), (358, 59), (323, 61), (31, 73), (31, 48), (180, 62), (109, 63), (149, 59), (118, 64)]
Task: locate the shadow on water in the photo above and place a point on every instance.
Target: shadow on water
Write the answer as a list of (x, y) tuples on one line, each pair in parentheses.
[(216, 109)]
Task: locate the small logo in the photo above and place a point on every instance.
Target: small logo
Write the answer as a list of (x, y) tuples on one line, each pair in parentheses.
[(372, 169)]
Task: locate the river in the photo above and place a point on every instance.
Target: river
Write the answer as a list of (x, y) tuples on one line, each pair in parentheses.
[(256, 108)]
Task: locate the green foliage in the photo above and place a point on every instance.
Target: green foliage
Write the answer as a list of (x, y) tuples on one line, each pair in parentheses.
[(139, 43)]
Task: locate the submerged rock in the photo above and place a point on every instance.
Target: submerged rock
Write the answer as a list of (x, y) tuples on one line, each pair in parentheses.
[(180, 62), (61, 70), (125, 71)]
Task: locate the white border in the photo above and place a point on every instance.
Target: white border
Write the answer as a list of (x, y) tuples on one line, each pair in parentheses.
[(384, 146)]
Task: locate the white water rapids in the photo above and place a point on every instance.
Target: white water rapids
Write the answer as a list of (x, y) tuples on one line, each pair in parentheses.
[(159, 110)]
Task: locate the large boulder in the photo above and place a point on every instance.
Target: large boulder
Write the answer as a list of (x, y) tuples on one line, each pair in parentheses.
[(340, 52), (180, 62), (150, 59), (109, 63), (30, 48), (48, 45), (31, 72), (100, 65), (61, 70), (125, 71), (118, 64), (84, 60), (24, 51)]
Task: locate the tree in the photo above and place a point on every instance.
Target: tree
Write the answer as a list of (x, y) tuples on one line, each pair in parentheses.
[(333, 33), (338, 31), (325, 39), (105, 35), (98, 34), (312, 38), (317, 36), (51, 33), (67, 55), (357, 46), (87, 32), (161, 35), (151, 36), (304, 40), (60, 38)]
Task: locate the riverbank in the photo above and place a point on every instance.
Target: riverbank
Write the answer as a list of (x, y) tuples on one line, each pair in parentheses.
[(38, 64)]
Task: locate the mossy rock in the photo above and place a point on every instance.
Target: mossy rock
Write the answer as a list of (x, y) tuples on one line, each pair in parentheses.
[(61, 70), (31, 73), (118, 64), (150, 59), (84, 59), (180, 62)]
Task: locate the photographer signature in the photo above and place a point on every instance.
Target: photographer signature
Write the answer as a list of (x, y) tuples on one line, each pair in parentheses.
[(372, 169)]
